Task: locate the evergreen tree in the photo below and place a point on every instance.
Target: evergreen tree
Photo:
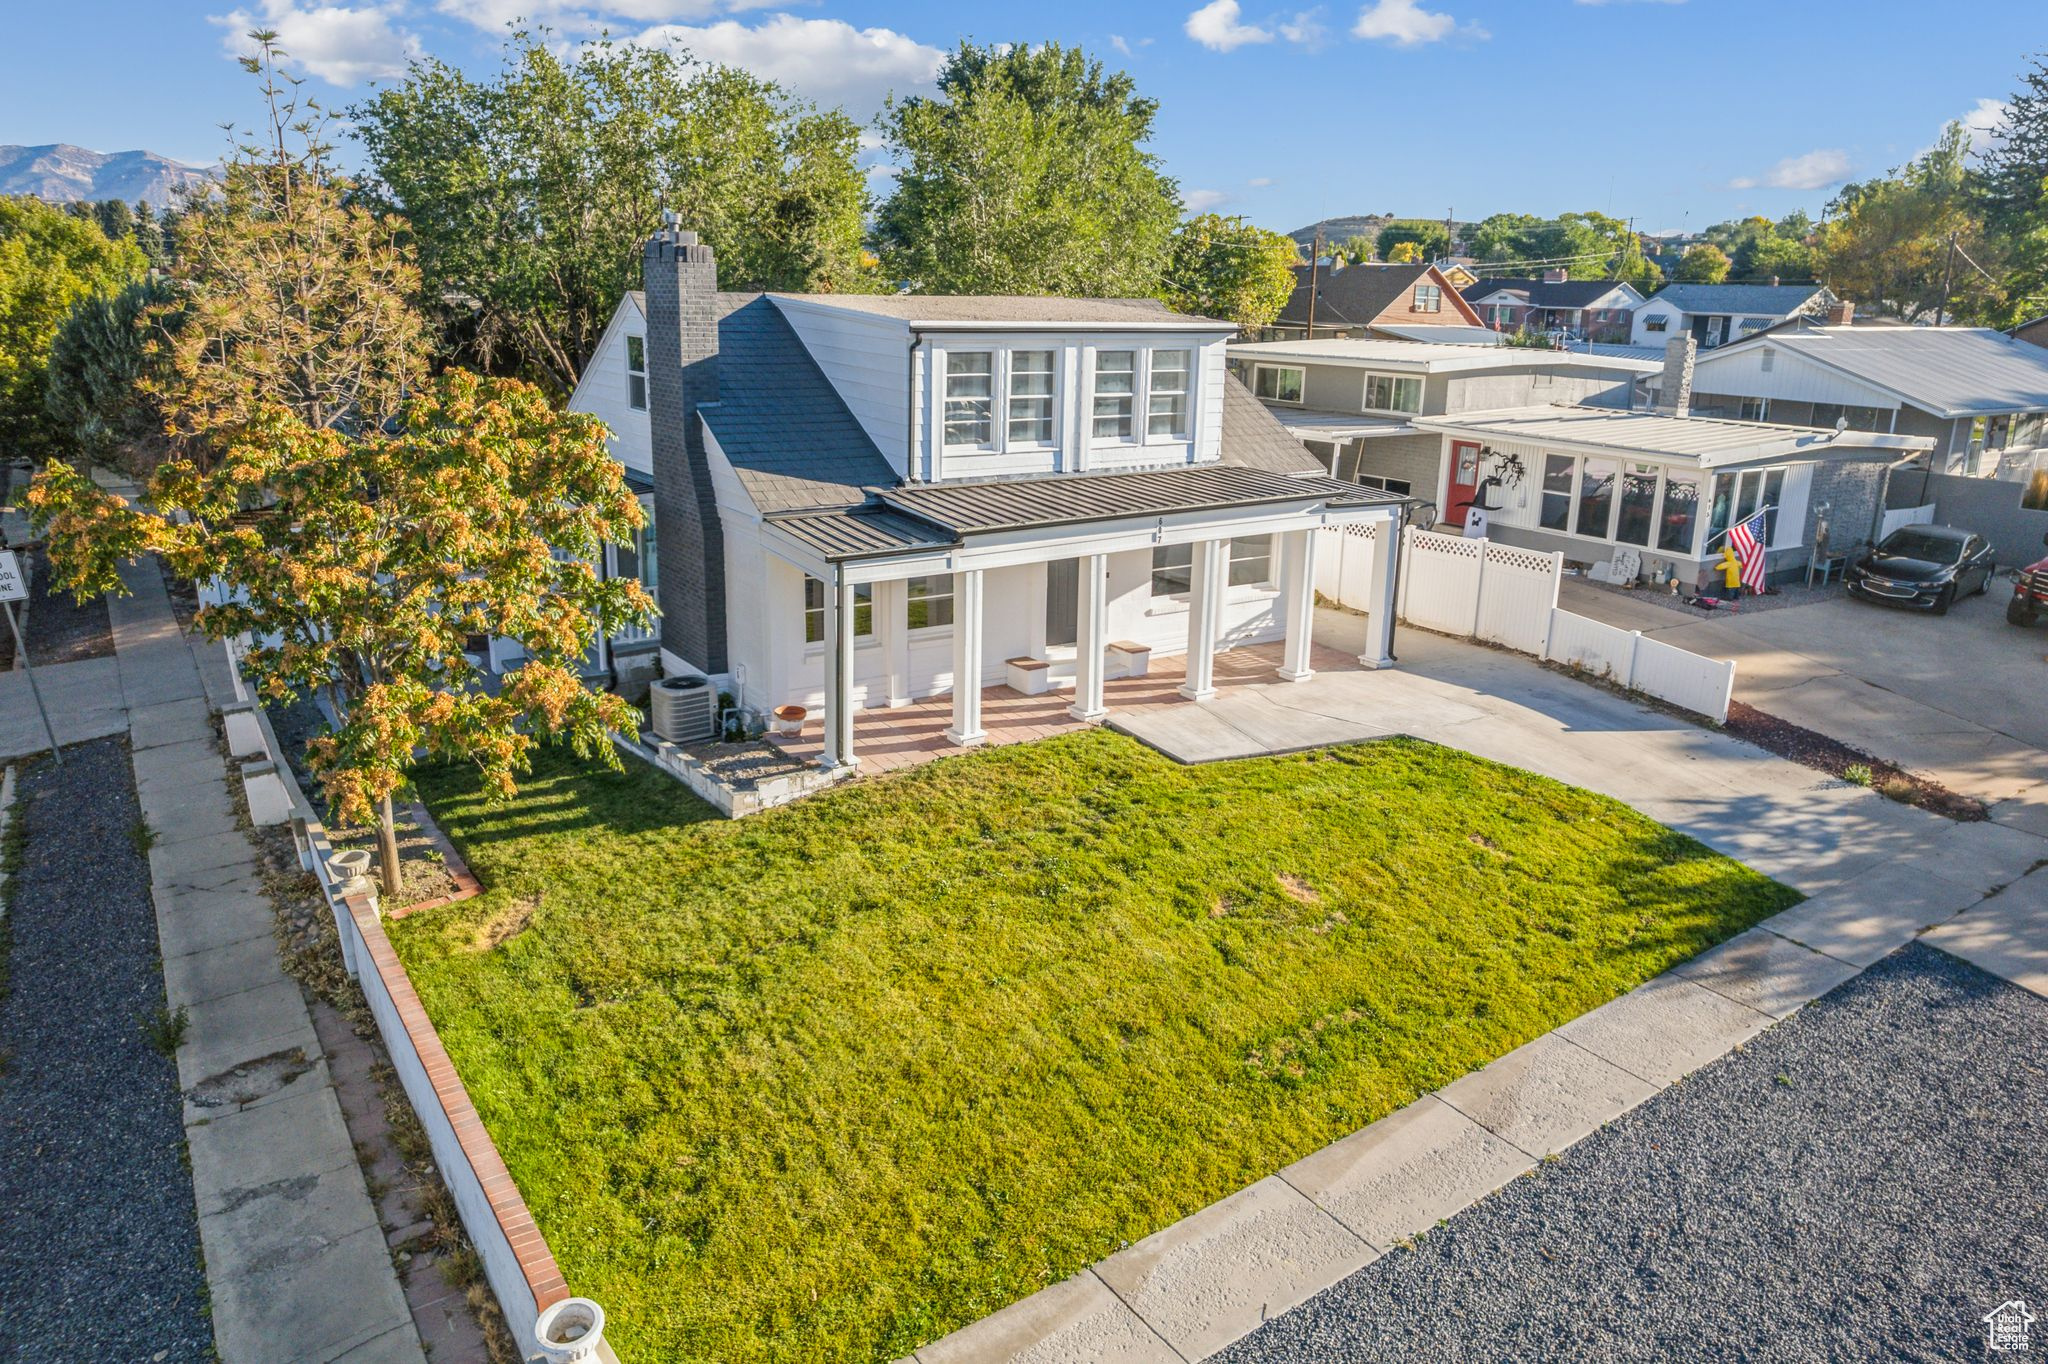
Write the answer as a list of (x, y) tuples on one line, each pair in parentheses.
[(97, 360), (50, 259), (115, 218), (2016, 163), (149, 234)]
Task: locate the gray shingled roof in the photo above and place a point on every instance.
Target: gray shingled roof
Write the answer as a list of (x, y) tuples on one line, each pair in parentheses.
[(1541, 293), (785, 430), (1353, 296), (1775, 300), (1002, 308), (1254, 439)]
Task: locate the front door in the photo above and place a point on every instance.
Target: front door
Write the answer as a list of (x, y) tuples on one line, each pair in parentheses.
[(1464, 487), (1062, 602)]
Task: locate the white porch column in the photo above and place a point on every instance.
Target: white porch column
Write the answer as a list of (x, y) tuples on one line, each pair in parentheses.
[(1091, 635), (838, 673), (1386, 560), (966, 729), (1211, 560), (1298, 602), (891, 606)]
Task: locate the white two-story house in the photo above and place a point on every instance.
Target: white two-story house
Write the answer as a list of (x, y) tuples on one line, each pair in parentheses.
[(861, 501)]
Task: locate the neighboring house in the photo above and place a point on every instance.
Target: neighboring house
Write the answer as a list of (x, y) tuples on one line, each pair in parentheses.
[(1596, 309), (862, 501), (1355, 403), (1356, 299), (1981, 395), (1716, 314), (1662, 487), (2034, 333), (1458, 272)]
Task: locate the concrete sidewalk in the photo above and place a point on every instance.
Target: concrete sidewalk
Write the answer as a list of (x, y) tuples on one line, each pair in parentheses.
[(295, 1256), (1878, 875)]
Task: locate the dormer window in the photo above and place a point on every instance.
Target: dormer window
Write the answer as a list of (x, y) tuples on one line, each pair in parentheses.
[(970, 397), (1031, 382), (1429, 298), (636, 373), (1116, 395), (1167, 412)]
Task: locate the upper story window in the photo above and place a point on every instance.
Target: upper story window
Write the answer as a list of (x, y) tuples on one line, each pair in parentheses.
[(1277, 383), (970, 397), (1031, 396), (1429, 298), (1116, 390), (636, 373), (1393, 393), (1167, 412)]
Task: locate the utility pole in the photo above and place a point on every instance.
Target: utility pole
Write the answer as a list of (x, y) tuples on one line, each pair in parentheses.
[(1315, 258), (1450, 234), (1947, 274)]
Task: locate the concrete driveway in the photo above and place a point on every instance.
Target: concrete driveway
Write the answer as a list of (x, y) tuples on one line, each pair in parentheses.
[(1962, 698)]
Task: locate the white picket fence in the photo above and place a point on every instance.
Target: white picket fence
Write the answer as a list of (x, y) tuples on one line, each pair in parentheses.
[(1506, 595)]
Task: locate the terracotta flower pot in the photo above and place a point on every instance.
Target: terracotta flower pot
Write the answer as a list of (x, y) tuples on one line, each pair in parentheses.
[(790, 719)]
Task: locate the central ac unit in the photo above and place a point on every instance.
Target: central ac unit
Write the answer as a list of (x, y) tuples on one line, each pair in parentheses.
[(685, 708)]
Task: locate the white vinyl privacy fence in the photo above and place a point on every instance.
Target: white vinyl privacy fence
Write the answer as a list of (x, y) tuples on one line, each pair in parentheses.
[(1505, 595)]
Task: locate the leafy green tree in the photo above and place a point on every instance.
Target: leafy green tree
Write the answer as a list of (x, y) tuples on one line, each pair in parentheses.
[(1776, 257), (1406, 253), (1431, 239), (288, 295), (1632, 267), (1356, 250), (98, 360), (360, 565), (1027, 174), (50, 260), (1225, 267), (529, 191), (1505, 238), (1706, 263), (1887, 243)]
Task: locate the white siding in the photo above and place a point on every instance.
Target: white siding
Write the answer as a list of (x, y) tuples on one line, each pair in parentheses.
[(1791, 378), (1675, 320), (602, 392)]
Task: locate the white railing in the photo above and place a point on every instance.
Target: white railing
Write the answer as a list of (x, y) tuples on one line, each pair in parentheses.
[(1506, 595)]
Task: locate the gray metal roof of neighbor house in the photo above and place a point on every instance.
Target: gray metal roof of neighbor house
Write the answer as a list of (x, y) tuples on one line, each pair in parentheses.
[(1429, 357), (1776, 300), (1949, 371), (1007, 310), (1711, 442), (1020, 504)]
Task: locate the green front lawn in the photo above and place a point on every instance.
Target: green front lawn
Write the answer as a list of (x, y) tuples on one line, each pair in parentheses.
[(830, 1082)]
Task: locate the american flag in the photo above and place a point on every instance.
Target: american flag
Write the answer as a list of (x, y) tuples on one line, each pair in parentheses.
[(1747, 540)]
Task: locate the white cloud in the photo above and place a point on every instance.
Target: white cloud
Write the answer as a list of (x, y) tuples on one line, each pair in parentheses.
[(1203, 200), (1815, 170), (827, 60), (1217, 25), (1404, 23), (1260, 182), (341, 44), (1984, 123), (1305, 29), (1116, 40)]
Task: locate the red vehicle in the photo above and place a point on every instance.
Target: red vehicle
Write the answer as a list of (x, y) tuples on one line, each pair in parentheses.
[(2029, 592)]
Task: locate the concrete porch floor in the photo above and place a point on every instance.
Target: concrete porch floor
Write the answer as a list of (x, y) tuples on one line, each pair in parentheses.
[(1150, 709)]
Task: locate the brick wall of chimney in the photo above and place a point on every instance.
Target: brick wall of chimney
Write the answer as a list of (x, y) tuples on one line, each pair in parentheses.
[(1674, 385), (681, 282)]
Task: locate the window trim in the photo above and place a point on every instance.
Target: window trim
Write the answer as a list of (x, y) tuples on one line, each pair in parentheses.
[(1300, 385), (636, 343), (1365, 393)]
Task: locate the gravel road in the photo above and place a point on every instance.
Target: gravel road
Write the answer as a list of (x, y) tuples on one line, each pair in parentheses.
[(99, 1259), (1865, 1181)]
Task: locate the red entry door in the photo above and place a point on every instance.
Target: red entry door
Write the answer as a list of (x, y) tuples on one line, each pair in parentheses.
[(1464, 485)]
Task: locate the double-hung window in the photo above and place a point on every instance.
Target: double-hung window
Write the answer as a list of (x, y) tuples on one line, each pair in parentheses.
[(1166, 412), (1173, 570), (1251, 561), (1116, 395), (1251, 565), (1030, 410), (970, 397), (930, 602), (1393, 393), (814, 610), (636, 373), (1277, 383), (1429, 298)]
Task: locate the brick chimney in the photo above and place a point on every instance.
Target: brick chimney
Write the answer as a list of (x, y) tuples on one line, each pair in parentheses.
[(1555, 275), (681, 280), (1674, 386), (1841, 313)]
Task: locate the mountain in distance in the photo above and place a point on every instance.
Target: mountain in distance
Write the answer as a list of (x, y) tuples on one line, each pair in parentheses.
[(1341, 229), (59, 173)]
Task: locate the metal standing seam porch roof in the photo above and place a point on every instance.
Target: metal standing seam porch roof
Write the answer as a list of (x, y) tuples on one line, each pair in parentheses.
[(1711, 442), (940, 516)]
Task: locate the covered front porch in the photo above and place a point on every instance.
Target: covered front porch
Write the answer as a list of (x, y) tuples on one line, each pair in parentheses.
[(1212, 569)]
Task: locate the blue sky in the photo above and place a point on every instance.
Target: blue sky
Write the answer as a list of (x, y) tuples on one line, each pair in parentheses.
[(1678, 113)]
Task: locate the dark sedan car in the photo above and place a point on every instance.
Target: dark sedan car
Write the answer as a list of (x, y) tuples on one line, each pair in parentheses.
[(1926, 567)]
